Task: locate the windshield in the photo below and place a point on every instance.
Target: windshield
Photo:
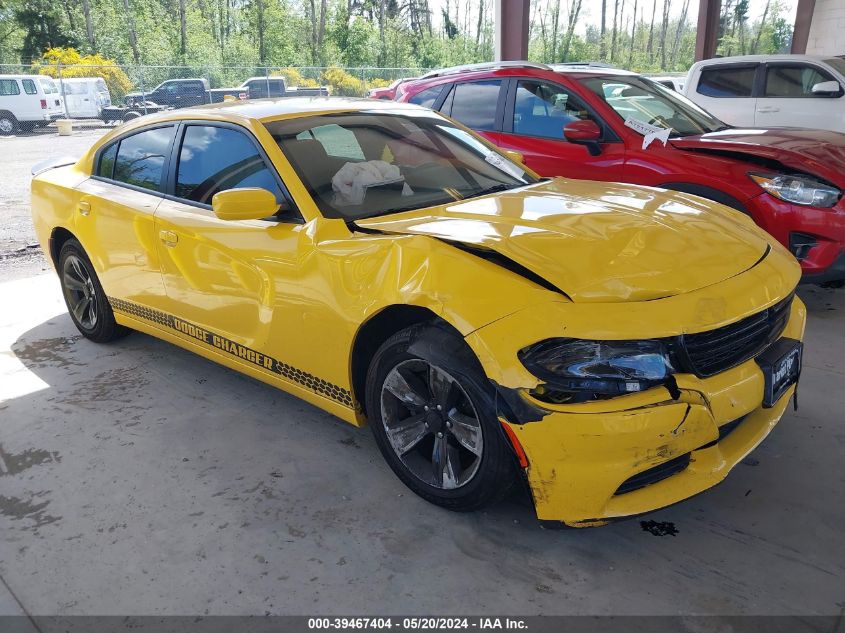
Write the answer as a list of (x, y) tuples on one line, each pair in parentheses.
[(363, 164), (647, 101)]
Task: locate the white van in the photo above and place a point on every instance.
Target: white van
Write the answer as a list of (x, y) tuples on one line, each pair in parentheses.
[(772, 90), (28, 101), (85, 97)]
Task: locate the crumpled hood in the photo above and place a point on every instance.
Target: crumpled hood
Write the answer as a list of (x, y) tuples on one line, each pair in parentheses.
[(595, 241), (817, 152)]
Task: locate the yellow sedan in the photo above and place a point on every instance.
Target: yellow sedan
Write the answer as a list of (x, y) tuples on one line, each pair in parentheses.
[(619, 348)]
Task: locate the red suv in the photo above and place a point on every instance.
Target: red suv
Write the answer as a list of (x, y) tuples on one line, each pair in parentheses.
[(571, 121)]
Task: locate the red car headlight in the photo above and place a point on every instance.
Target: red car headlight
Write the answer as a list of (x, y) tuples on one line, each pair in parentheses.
[(798, 189)]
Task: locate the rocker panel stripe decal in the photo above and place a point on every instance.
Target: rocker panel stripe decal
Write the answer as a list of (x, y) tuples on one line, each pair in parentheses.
[(302, 378)]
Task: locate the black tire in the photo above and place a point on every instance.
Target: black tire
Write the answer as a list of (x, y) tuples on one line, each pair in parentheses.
[(467, 481), (131, 116), (8, 123), (80, 283)]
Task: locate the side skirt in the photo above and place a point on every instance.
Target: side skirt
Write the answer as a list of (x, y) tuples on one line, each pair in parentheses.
[(346, 414)]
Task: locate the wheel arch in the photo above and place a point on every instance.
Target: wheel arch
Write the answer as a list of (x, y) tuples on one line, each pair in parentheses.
[(58, 236), (710, 193), (376, 330)]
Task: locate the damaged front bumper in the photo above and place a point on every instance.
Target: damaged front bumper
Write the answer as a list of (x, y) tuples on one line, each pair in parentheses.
[(596, 461)]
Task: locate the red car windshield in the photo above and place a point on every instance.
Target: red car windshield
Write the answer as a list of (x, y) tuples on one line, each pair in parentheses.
[(647, 101)]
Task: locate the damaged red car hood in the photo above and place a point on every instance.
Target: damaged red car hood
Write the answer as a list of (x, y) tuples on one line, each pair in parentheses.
[(817, 152), (596, 241)]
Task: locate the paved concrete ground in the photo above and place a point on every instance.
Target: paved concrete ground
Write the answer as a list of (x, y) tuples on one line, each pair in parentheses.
[(19, 153), (137, 478)]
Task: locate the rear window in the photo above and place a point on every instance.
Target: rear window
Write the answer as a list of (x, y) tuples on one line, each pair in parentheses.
[(474, 104), (723, 81), (48, 86), (9, 87), (140, 158), (74, 88), (426, 97)]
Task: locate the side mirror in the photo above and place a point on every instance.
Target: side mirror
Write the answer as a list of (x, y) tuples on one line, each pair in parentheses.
[(584, 132), (515, 156), (827, 89), (249, 203)]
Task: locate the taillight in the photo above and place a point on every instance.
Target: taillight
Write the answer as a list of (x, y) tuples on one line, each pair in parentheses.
[(44, 104)]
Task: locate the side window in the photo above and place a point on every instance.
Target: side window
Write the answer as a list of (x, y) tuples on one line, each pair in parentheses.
[(336, 141), (141, 157), (542, 109), (9, 87), (474, 103), (29, 87), (724, 81), (793, 81), (426, 97), (105, 168), (49, 86), (214, 159)]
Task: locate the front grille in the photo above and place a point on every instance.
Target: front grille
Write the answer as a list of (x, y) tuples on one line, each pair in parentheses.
[(709, 353), (654, 474)]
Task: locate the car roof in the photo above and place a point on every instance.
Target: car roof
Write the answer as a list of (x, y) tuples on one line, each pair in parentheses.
[(765, 58), (281, 107), (25, 76)]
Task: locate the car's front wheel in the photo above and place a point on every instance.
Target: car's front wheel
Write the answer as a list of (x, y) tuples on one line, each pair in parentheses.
[(86, 301), (432, 413)]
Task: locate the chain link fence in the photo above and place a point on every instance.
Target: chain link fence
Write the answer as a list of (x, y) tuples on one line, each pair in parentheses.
[(127, 84)]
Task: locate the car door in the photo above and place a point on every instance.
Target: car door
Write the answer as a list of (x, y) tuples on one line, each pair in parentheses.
[(477, 104), (786, 98), (114, 216), (222, 277), (727, 92), (535, 114)]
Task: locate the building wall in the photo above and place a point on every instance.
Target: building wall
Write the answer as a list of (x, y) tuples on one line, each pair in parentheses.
[(827, 31)]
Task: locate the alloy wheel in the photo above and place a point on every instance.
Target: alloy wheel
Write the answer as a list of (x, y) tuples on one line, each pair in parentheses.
[(7, 126), (80, 292), (431, 424)]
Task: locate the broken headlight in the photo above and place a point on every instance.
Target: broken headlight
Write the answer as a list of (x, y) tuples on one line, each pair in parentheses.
[(575, 370), (802, 190)]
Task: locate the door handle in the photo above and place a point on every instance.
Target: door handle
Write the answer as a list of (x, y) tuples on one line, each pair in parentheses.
[(84, 207), (767, 110), (169, 238)]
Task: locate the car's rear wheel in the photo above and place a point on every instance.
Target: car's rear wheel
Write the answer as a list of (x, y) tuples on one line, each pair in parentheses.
[(8, 123), (86, 301), (432, 413)]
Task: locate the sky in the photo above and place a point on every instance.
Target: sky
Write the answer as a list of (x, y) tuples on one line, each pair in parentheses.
[(591, 9)]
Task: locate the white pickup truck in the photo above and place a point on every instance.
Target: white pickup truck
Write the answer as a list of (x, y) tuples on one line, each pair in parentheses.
[(772, 90)]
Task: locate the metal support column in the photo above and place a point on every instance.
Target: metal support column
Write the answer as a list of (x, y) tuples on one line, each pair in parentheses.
[(511, 30), (801, 31), (707, 35)]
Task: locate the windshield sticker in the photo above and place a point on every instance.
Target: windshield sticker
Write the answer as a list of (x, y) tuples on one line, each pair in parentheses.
[(650, 132), (503, 165)]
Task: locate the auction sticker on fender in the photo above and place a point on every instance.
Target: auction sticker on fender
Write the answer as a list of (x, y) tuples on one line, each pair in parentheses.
[(781, 365)]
